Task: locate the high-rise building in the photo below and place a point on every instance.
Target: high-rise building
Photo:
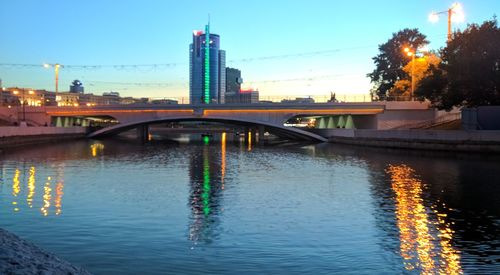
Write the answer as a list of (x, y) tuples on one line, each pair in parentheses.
[(207, 73)]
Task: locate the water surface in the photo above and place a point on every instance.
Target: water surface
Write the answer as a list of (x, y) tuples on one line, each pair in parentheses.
[(213, 206)]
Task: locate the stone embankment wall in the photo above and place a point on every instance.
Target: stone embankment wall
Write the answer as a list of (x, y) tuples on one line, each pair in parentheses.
[(18, 256), (20, 136), (446, 140)]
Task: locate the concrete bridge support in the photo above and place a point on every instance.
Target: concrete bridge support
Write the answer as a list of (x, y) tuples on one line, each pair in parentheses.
[(143, 133), (261, 131)]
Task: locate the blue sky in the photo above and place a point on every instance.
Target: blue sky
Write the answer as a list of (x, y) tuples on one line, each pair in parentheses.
[(98, 32)]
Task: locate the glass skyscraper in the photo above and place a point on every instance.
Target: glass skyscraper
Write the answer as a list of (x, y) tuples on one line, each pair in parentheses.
[(207, 69)]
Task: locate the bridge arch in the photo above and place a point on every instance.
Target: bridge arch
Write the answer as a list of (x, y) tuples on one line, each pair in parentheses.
[(278, 129)]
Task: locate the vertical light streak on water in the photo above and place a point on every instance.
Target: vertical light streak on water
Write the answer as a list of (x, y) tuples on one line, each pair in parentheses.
[(16, 188), (249, 141), (205, 195), (96, 148), (31, 187), (59, 189), (47, 196), (416, 228), (223, 159), (450, 263)]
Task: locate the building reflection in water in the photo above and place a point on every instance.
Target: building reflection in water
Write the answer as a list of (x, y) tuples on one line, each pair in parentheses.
[(207, 182), (425, 235)]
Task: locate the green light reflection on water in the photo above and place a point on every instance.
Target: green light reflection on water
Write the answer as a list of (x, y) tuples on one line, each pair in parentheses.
[(205, 195)]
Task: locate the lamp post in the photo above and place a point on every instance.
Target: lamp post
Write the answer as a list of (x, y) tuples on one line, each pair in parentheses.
[(56, 67), (23, 102), (455, 13), (411, 54)]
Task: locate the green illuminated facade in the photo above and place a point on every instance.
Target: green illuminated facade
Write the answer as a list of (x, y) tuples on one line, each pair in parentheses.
[(207, 71)]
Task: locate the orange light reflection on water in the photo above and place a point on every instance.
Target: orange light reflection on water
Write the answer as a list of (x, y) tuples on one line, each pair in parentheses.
[(223, 159), (96, 148), (16, 188), (249, 140), (47, 196), (425, 239), (31, 187)]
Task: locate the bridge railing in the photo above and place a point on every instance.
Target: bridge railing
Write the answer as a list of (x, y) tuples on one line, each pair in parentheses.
[(279, 99)]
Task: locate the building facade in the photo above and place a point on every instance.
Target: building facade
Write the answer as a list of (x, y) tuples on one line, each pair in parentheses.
[(233, 84), (207, 74), (249, 96), (76, 87)]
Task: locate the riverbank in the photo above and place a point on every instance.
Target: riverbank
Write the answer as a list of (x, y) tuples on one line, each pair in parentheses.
[(18, 256), (14, 136), (419, 139)]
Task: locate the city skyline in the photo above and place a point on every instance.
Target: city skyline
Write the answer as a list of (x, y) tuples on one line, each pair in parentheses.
[(315, 48)]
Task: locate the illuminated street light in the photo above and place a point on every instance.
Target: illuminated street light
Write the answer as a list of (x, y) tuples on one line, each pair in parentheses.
[(56, 70), (23, 103), (455, 14), (411, 54)]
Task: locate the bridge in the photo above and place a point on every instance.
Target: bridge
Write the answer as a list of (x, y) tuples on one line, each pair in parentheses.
[(256, 117)]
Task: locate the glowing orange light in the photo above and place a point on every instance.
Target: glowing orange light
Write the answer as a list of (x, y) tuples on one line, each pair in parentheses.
[(58, 198), (31, 187), (249, 140), (433, 17), (458, 14), (223, 159), (81, 112), (47, 197), (304, 111), (419, 235)]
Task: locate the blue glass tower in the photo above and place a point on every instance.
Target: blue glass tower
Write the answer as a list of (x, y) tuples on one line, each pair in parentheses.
[(207, 74)]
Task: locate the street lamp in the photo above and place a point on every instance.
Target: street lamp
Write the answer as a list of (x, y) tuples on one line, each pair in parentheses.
[(455, 14), (56, 70), (411, 54), (23, 101)]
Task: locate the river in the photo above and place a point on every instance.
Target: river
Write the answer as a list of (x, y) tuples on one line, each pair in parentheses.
[(225, 207)]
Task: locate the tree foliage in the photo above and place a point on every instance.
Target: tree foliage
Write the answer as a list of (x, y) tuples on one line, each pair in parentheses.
[(470, 72), (390, 61), (419, 68)]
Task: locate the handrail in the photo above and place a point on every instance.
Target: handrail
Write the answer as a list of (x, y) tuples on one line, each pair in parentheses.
[(438, 120)]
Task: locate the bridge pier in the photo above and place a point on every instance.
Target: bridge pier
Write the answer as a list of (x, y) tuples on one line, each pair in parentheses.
[(143, 133), (261, 132)]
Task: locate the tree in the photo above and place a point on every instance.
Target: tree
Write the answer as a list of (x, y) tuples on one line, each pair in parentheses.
[(419, 69), (391, 60), (470, 72)]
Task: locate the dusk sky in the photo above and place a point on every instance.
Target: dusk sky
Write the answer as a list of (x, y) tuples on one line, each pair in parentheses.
[(330, 44)]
